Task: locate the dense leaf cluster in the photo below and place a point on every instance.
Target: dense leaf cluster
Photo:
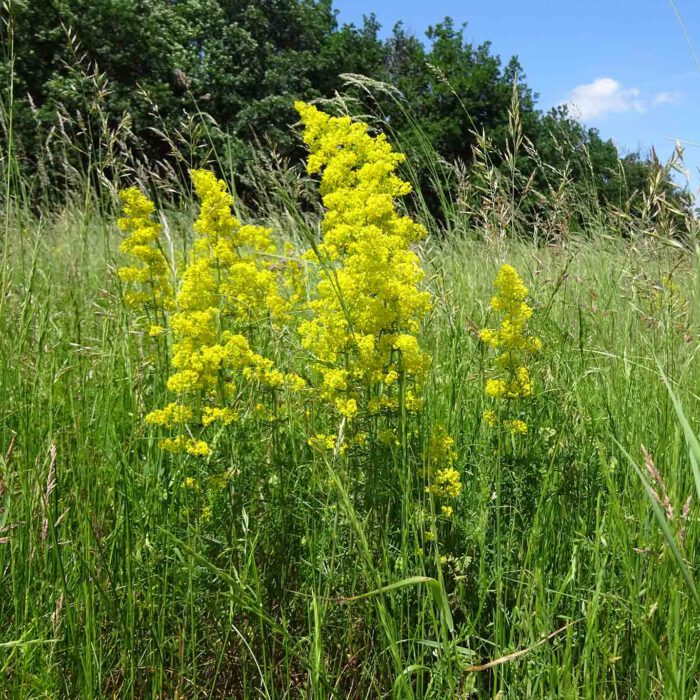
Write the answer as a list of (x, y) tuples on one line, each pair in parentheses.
[(244, 62)]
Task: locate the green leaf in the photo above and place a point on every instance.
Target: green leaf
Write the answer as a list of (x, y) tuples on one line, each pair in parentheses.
[(434, 586)]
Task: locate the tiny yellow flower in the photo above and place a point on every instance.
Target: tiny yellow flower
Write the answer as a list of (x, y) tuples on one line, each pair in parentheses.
[(490, 418), (323, 442), (197, 448), (150, 273), (516, 426), (446, 483), (346, 407)]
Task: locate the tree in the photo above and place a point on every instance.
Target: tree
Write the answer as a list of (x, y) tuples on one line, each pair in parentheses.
[(243, 62), (147, 75)]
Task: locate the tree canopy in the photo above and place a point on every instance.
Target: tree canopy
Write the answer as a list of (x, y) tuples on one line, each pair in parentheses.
[(244, 62)]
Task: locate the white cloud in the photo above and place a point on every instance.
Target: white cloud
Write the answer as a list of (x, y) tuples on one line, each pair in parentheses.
[(607, 96), (667, 98), (604, 96)]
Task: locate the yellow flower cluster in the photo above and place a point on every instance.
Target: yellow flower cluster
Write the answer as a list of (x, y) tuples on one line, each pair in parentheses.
[(149, 278), (229, 282), (445, 480), (369, 306), (514, 346)]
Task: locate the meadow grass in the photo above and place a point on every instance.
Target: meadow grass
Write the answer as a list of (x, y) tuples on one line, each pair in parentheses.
[(561, 574), (567, 569)]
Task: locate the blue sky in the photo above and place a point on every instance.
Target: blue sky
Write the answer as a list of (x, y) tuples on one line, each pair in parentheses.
[(625, 64)]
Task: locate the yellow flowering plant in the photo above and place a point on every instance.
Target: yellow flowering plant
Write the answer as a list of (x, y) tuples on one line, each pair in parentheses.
[(148, 278), (363, 323), (444, 480), (228, 285), (360, 326), (369, 305), (514, 346)]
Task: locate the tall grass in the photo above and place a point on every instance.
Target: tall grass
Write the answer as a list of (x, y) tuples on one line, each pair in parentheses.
[(111, 585), (568, 570)]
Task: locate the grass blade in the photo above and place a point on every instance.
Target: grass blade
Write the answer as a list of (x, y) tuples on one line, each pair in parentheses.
[(690, 437), (665, 529)]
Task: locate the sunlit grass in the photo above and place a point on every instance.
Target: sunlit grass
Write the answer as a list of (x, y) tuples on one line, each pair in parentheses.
[(113, 584)]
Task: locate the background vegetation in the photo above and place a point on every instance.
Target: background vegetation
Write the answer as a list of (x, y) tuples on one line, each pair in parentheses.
[(151, 79), (568, 567)]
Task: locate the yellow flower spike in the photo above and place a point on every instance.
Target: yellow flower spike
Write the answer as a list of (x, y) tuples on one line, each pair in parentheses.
[(346, 407), (225, 416), (490, 418), (441, 457), (174, 445), (151, 273), (446, 483), (323, 442), (496, 388), (197, 448), (294, 382), (172, 414), (369, 304), (229, 282), (511, 377), (155, 330), (413, 403), (515, 426)]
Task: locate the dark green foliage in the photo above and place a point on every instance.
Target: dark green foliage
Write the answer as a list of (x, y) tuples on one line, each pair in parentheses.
[(177, 82), (241, 62), (455, 89)]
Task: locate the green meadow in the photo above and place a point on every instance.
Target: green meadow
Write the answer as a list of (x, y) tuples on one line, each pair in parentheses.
[(359, 494)]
